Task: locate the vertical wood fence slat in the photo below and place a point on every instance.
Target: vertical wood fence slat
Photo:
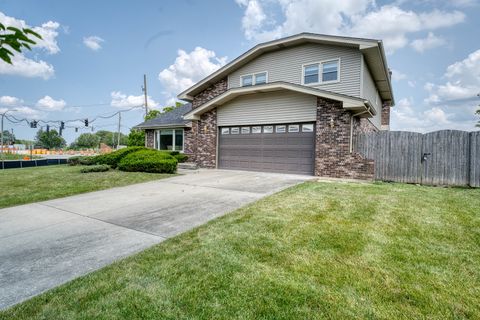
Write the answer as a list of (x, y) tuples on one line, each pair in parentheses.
[(454, 156)]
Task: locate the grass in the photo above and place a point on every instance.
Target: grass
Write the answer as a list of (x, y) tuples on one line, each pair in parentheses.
[(314, 251), (13, 156), (20, 186)]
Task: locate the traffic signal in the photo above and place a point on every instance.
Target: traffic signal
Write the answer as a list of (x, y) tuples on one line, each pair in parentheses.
[(86, 122), (33, 124), (48, 128), (62, 125)]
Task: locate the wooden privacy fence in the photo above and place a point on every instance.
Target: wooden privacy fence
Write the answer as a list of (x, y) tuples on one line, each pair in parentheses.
[(446, 157)]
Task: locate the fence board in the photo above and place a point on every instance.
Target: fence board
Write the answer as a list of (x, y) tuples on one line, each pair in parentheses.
[(475, 159), (454, 156)]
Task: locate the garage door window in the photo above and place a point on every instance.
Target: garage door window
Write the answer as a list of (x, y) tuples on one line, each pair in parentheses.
[(307, 127), (267, 129), (293, 128), (225, 130), (245, 130), (257, 129), (280, 129), (235, 130)]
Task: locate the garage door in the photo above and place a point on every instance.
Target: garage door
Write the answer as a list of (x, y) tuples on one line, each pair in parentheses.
[(286, 148)]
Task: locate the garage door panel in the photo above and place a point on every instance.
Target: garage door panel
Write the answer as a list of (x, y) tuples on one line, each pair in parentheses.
[(288, 152)]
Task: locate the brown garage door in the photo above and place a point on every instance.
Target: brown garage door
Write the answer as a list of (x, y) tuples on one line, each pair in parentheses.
[(288, 148)]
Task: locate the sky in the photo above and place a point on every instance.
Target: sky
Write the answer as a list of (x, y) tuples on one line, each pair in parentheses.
[(94, 54)]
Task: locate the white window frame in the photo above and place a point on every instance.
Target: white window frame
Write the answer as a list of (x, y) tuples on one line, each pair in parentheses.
[(320, 72), (156, 139), (254, 78)]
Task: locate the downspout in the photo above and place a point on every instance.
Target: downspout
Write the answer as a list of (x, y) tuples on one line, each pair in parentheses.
[(351, 125)]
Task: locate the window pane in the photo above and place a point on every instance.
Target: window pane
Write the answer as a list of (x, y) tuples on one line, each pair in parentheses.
[(179, 140), (281, 129), (247, 81), (293, 128), (235, 130), (330, 71), (225, 130), (245, 130), (166, 139), (311, 79), (257, 129), (260, 78), (307, 127), (311, 69), (267, 129)]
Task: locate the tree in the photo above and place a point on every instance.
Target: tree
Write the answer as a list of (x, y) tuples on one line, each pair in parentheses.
[(170, 108), (8, 137), (136, 138), (49, 140), (16, 39), (152, 114), (87, 140), (110, 138), (478, 113)]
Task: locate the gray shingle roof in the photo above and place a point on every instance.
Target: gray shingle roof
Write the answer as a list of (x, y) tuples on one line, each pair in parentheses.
[(168, 119)]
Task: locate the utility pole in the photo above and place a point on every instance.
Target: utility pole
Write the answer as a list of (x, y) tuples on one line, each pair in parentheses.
[(119, 119), (144, 89)]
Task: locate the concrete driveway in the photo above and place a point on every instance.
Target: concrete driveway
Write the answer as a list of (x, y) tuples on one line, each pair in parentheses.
[(45, 244)]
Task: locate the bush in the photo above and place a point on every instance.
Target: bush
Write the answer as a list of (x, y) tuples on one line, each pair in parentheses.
[(149, 161), (174, 153), (83, 160), (96, 168), (112, 159), (181, 157)]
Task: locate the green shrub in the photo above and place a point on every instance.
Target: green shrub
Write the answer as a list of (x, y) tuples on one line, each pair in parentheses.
[(95, 168), (83, 160), (149, 161), (113, 158), (174, 153), (181, 157)]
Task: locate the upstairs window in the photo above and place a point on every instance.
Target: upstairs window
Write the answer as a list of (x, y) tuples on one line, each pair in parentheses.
[(311, 74), (253, 79), (247, 81), (322, 72), (330, 71)]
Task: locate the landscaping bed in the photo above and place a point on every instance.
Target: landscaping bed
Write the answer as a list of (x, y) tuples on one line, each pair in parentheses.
[(314, 251)]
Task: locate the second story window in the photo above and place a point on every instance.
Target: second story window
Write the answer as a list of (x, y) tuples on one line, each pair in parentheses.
[(321, 72), (253, 79)]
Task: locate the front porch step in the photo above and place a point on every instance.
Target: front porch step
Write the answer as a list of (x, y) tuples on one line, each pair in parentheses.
[(187, 165)]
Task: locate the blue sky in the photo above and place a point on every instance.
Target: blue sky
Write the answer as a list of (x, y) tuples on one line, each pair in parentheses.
[(95, 53)]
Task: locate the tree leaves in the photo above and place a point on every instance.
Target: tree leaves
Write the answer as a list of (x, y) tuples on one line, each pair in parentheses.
[(16, 39)]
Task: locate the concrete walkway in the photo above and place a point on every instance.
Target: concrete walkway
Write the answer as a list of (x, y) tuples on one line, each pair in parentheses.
[(45, 244)]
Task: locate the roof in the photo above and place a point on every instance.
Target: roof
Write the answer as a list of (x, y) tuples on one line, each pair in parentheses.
[(372, 50), (349, 102), (169, 119)]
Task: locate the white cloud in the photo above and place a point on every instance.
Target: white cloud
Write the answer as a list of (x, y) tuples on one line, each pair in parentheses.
[(188, 69), (93, 42), (9, 101), (361, 18), (47, 103), (430, 42), (397, 75), (23, 66), (121, 100)]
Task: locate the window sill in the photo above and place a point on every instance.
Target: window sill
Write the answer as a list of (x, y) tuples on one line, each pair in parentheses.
[(320, 83)]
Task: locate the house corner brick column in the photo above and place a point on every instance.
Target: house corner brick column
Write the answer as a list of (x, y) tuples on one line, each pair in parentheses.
[(149, 138), (332, 145), (201, 140), (385, 116)]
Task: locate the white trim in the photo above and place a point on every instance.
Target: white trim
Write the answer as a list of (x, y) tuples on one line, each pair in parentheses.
[(320, 72), (254, 78)]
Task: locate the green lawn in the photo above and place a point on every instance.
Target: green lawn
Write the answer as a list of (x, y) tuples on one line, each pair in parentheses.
[(19, 186), (314, 251)]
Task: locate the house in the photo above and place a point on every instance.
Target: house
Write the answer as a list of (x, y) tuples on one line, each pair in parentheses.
[(291, 105)]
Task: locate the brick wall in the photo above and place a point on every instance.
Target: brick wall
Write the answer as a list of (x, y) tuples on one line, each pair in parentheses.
[(210, 93), (332, 153), (149, 138), (385, 116)]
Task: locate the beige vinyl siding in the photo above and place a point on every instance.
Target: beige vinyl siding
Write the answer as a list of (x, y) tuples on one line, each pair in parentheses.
[(370, 93), (286, 65), (266, 108)]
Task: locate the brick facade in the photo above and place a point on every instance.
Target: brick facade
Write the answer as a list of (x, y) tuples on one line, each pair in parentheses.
[(332, 145), (149, 138), (385, 116), (210, 93), (201, 140)]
